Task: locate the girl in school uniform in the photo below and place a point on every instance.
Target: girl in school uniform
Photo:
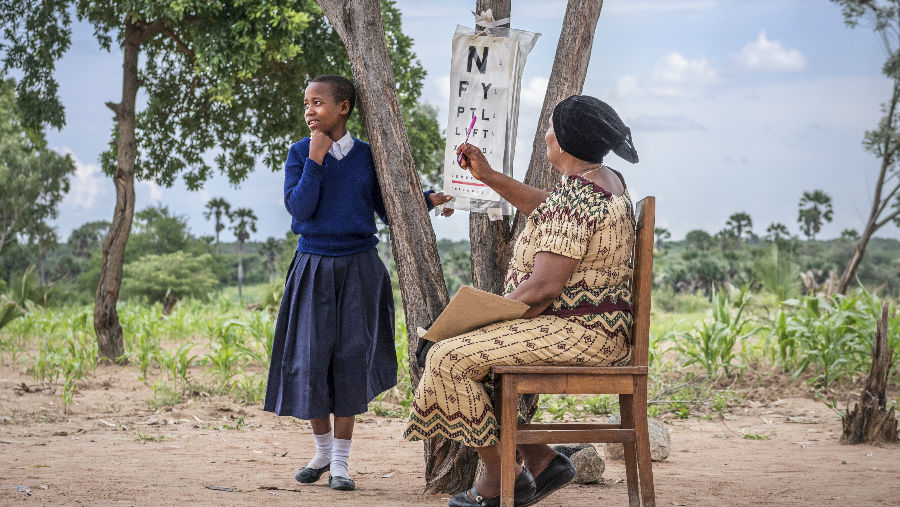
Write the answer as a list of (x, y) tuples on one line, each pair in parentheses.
[(333, 350)]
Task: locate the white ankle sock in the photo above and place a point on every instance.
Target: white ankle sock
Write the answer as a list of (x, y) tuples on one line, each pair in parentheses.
[(340, 458), (324, 444)]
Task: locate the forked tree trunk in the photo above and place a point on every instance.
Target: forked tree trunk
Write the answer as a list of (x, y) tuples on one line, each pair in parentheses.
[(492, 242), (358, 23), (424, 293), (106, 319), (870, 421)]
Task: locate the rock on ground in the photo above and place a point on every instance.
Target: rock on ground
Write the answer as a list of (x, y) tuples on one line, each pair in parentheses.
[(660, 441), (589, 466)]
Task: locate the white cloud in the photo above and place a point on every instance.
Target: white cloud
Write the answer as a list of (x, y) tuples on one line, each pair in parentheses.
[(533, 93), (156, 192), (86, 183), (674, 75), (627, 86), (764, 55)]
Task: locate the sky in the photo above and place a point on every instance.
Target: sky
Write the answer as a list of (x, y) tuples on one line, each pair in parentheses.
[(735, 106)]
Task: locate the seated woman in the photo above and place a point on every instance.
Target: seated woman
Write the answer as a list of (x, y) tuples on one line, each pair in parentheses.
[(572, 266)]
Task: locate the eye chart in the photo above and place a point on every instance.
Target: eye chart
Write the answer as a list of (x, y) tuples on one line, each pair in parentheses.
[(480, 85), (485, 76)]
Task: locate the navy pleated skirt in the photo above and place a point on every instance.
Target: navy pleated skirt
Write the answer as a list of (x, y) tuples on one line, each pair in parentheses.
[(333, 350)]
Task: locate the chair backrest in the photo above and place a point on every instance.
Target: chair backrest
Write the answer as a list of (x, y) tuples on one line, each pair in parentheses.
[(642, 281)]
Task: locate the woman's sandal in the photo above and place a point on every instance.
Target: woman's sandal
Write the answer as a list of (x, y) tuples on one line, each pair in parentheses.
[(308, 475), (525, 488), (559, 472)]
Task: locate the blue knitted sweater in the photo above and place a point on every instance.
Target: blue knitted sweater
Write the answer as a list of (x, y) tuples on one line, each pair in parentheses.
[(333, 205)]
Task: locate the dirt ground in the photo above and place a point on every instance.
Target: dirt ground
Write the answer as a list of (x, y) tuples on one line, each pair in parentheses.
[(110, 448)]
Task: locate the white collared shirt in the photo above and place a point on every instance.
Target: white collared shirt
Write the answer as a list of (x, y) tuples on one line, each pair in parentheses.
[(342, 147)]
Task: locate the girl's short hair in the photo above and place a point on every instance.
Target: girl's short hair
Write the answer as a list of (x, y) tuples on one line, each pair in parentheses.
[(341, 87)]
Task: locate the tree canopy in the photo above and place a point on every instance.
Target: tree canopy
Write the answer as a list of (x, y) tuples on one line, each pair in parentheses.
[(33, 179)]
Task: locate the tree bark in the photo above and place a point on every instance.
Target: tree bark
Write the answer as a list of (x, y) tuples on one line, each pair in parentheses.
[(491, 242), (869, 421), (106, 319), (169, 302), (240, 271), (424, 293)]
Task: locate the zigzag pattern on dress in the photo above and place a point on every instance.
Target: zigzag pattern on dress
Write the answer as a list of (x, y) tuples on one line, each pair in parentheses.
[(481, 435), (611, 324), (573, 298)]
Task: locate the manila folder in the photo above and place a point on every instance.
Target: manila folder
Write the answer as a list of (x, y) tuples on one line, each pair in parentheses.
[(471, 309)]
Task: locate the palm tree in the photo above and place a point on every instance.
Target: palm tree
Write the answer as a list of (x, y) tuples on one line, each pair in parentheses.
[(815, 207), (699, 239), (270, 251), (217, 206), (662, 234), (777, 231), (849, 235), (87, 237), (739, 223), (243, 223)]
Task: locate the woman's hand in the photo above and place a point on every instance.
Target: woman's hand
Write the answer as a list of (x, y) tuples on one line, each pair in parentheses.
[(438, 198), (319, 145), (472, 159)]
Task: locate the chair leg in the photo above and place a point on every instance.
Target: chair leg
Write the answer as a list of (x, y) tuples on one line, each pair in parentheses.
[(508, 422), (645, 465), (627, 409)]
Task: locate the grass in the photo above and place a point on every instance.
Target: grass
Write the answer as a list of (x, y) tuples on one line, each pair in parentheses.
[(252, 293), (144, 437), (222, 347)]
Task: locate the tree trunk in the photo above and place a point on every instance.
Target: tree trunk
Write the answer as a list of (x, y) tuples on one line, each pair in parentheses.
[(240, 273), (869, 421), (169, 302), (42, 273), (879, 205), (106, 319), (856, 258), (492, 242), (424, 293)]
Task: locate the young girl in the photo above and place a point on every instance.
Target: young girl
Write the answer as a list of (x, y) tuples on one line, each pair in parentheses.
[(333, 350)]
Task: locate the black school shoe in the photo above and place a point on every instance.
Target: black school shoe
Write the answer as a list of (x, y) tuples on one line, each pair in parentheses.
[(558, 473), (341, 483), (525, 488), (308, 475)]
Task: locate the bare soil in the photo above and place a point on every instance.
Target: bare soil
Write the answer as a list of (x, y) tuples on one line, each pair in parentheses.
[(110, 448)]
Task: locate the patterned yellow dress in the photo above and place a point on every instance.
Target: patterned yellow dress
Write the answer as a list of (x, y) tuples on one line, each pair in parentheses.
[(589, 324)]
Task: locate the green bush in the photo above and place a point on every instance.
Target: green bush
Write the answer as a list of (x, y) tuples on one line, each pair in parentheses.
[(152, 275), (777, 273), (666, 300), (712, 344), (830, 337)]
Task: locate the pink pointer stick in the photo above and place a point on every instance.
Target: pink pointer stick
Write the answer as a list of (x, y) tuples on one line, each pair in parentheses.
[(471, 125)]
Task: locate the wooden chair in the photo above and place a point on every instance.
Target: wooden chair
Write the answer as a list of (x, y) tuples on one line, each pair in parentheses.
[(629, 382)]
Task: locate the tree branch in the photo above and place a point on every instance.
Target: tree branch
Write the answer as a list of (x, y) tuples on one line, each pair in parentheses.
[(115, 107), (892, 216), (150, 29), (180, 43), (884, 203)]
